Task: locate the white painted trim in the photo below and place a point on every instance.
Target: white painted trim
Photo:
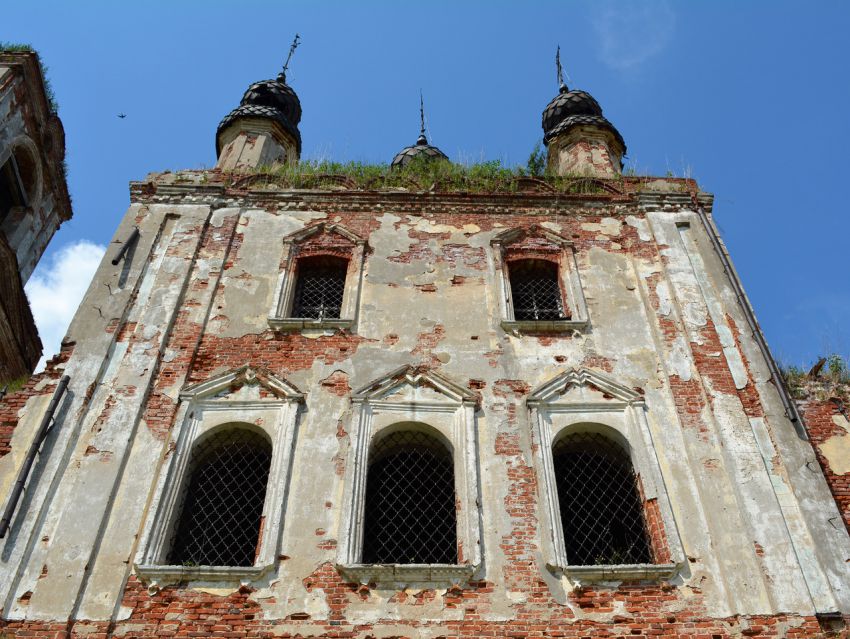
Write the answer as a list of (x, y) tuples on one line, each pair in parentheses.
[(156, 577), (569, 279), (374, 403), (201, 409), (280, 318), (624, 413), (401, 576)]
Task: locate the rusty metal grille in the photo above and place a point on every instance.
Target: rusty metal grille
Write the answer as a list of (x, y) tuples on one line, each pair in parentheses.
[(535, 290), (320, 287), (601, 510), (219, 523), (410, 502)]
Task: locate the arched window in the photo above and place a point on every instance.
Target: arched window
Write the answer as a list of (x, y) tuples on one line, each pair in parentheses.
[(12, 190), (410, 513), (535, 290), (320, 287), (601, 511), (219, 523)]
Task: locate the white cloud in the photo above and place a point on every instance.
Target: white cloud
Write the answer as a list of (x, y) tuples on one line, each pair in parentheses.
[(56, 289), (631, 32)]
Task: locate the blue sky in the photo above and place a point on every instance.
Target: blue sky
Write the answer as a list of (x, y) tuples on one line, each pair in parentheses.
[(749, 98)]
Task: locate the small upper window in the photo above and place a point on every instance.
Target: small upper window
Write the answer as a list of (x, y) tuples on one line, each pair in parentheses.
[(219, 523), (601, 512), (320, 287), (536, 291), (410, 508)]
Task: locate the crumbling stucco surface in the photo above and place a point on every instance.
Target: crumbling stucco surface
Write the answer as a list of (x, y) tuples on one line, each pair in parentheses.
[(191, 304)]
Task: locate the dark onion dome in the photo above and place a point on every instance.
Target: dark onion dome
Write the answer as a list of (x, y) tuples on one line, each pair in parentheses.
[(585, 120), (568, 103), (419, 150), (272, 99), (574, 108)]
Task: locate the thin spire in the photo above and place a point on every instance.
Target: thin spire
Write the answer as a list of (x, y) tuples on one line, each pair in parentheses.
[(422, 139), (295, 42), (562, 86)]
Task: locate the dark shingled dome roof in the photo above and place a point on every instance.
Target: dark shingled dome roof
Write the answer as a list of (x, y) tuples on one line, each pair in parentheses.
[(574, 108), (419, 150), (272, 99)]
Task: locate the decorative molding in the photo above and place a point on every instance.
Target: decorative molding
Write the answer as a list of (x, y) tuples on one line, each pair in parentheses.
[(205, 407), (245, 374), (620, 412), (414, 394), (400, 576), (568, 274), (553, 389), (511, 236), (301, 235), (295, 324), (279, 318), (415, 377), (160, 576), (617, 572), (542, 326)]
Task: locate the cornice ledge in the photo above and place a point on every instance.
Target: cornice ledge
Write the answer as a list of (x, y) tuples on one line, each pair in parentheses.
[(543, 326), (295, 324), (617, 572), (404, 575), (156, 577)]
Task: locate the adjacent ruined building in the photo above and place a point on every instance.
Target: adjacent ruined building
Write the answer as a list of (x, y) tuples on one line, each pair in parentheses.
[(335, 405), (34, 201)]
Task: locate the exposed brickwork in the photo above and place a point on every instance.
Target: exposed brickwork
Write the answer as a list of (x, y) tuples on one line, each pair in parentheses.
[(820, 419), (518, 595), (13, 403)]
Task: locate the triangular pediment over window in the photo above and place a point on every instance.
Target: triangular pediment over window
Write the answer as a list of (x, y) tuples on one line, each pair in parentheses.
[(242, 384), (316, 231), (583, 386), (532, 237), (412, 384)]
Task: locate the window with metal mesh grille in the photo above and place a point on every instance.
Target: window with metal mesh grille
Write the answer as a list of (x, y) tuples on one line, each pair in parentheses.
[(410, 513), (601, 511), (219, 523), (535, 290), (319, 287)]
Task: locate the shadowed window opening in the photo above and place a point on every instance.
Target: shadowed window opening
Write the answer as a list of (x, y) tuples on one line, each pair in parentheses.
[(410, 513), (535, 290), (319, 288), (12, 191), (219, 524), (601, 511)]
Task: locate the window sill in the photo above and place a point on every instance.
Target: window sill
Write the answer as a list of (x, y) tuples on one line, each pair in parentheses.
[(160, 576), (542, 326), (618, 572), (402, 575), (296, 323)]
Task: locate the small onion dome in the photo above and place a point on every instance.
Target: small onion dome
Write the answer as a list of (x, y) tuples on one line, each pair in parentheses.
[(419, 150), (574, 108), (272, 99)]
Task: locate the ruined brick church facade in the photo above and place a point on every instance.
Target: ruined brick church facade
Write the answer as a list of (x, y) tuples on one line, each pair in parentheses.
[(338, 410)]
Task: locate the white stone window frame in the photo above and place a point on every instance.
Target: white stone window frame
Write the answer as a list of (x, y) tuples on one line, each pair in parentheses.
[(204, 408), (569, 281), (280, 319), (623, 419), (410, 394)]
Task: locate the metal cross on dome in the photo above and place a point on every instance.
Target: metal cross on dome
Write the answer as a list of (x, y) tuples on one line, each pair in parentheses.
[(422, 139), (562, 86), (295, 42)]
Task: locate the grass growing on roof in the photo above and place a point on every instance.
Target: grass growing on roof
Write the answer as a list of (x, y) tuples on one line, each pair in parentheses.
[(422, 174), (17, 47)]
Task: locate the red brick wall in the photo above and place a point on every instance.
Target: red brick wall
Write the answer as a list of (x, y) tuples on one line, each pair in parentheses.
[(818, 418)]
